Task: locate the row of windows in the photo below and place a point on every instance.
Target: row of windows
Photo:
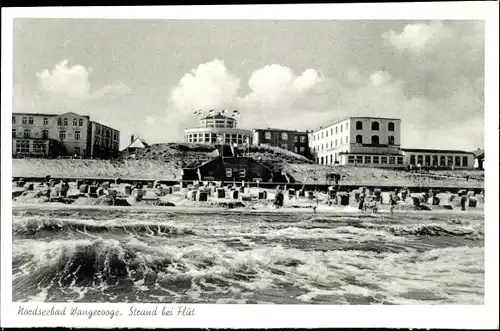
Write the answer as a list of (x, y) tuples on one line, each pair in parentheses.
[(27, 133), (432, 160), (325, 133), (216, 138), (375, 126), (229, 173), (29, 120), (284, 136), (322, 147), (368, 159)]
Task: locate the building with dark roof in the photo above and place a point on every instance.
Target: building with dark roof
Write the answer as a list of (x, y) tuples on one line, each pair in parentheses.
[(294, 141)]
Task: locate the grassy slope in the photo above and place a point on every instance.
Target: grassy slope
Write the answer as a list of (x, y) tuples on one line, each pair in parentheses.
[(165, 161)]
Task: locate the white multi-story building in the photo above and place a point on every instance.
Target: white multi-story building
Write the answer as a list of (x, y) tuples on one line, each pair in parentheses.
[(217, 129), (360, 141)]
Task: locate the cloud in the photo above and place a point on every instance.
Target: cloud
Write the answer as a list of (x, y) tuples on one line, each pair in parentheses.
[(74, 82), (208, 86), (419, 37), (274, 84)]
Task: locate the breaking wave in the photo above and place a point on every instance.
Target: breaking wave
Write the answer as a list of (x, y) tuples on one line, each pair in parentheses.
[(130, 256)]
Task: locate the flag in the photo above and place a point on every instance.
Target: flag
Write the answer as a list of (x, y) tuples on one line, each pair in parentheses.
[(223, 112), (211, 112), (196, 112), (236, 113)]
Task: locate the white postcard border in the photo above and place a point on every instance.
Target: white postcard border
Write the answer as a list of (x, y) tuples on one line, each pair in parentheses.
[(269, 316)]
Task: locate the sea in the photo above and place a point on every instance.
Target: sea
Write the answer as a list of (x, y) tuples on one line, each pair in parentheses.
[(131, 255)]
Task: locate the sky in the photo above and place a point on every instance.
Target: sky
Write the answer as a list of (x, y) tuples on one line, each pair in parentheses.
[(147, 77)]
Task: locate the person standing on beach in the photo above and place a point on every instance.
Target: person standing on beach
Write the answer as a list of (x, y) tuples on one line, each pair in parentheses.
[(361, 201), (463, 200), (392, 203)]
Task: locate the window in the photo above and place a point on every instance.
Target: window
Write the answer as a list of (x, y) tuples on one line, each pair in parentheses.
[(326, 134), (331, 131), (322, 160), (296, 149), (267, 135), (449, 162), (98, 140), (59, 121), (13, 133), (465, 161), (76, 151), (359, 125), (302, 149), (242, 173), (331, 144), (391, 140), (391, 126), (375, 140), (420, 159), (350, 159), (38, 147), (442, 161), (77, 135), (376, 159), (383, 160), (427, 160), (45, 121), (359, 139), (434, 160), (336, 129), (65, 122), (195, 138), (347, 126), (341, 128), (30, 120), (75, 122), (400, 160), (392, 160), (331, 158), (229, 173), (375, 126), (413, 160), (457, 161), (346, 139), (25, 120), (359, 159), (80, 122), (23, 146), (45, 134), (295, 139), (27, 133), (13, 120), (322, 136), (62, 135), (302, 139), (207, 137), (336, 142), (368, 159), (321, 146), (341, 141)]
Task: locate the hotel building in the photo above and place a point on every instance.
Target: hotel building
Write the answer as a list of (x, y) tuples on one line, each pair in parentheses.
[(217, 129), (294, 141), (376, 142), (68, 134), (360, 141)]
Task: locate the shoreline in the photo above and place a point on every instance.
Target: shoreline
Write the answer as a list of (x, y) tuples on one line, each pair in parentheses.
[(323, 210)]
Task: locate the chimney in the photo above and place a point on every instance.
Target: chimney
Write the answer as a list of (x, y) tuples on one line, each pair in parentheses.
[(132, 138)]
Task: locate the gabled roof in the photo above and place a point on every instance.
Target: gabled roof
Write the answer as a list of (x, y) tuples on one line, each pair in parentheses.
[(479, 152), (138, 143)]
